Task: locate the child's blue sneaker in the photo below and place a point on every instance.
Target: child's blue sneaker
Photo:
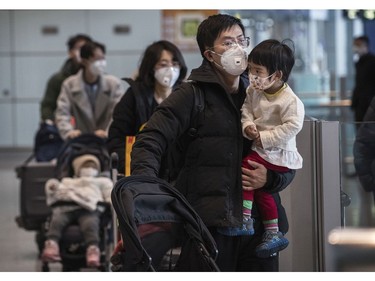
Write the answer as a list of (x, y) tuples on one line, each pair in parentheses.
[(272, 242), (246, 229)]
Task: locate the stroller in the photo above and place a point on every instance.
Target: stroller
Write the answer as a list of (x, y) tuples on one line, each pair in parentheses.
[(141, 201), (72, 247)]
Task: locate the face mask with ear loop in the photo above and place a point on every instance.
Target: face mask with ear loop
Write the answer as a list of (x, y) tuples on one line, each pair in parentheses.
[(233, 60), (260, 83), (88, 172), (98, 67)]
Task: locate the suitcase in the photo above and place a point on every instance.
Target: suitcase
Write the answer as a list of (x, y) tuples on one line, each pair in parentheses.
[(32, 201)]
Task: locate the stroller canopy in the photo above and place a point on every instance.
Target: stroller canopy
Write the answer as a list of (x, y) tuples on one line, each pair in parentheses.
[(139, 200)]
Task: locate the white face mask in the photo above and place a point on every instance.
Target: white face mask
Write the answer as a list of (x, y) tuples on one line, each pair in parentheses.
[(259, 83), (360, 50), (88, 172), (98, 67), (234, 60), (167, 76)]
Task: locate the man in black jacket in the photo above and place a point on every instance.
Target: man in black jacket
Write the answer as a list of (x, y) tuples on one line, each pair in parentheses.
[(211, 177), (364, 89)]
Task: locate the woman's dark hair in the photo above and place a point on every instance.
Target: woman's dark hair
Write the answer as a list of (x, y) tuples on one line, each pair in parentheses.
[(210, 29), (151, 57), (274, 55)]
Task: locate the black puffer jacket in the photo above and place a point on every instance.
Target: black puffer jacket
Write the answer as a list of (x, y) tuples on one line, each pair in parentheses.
[(364, 89), (130, 113), (211, 176), (364, 150)]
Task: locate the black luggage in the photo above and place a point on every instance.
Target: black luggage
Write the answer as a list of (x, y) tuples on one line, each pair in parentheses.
[(33, 208), (142, 200)]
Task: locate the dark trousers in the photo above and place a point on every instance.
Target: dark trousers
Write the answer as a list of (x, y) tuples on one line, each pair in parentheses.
[(237, 254), (89, 223)]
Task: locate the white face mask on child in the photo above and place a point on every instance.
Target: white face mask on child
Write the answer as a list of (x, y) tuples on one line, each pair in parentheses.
[(88, 172), (260, 83)]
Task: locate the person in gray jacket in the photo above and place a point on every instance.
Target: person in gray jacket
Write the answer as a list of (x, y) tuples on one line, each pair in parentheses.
[(87, 99), (211, 177)]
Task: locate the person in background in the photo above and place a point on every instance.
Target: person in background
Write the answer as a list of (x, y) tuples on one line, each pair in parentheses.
[(364, 87), (211, 177), (87, 99), (70, 67), (272, 116), (162, 68), (86, 189), (364, 150)]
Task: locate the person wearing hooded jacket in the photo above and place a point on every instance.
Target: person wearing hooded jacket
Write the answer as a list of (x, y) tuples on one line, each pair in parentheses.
[(211, 178)]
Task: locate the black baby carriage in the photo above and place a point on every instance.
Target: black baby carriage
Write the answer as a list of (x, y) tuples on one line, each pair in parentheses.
[(141, 201), (72, 247)]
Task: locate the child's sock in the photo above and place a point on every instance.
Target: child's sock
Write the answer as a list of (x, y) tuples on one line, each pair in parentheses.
[(247, 206), (271, 225)]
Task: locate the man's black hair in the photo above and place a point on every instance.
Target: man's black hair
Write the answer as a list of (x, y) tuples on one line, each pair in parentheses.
[(88, 49), (364, 39), (74, 39), (210, 29)]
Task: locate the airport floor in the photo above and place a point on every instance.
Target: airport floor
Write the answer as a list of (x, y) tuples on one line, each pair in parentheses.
[(18, 247), (19, 250)]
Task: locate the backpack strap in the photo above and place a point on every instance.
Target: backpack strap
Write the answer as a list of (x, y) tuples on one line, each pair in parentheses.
[(198, 108)]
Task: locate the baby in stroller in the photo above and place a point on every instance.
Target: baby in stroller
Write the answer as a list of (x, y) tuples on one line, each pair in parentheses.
[(75, 199)]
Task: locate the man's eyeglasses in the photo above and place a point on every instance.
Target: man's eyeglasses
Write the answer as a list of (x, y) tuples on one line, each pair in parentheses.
[(230, 43)]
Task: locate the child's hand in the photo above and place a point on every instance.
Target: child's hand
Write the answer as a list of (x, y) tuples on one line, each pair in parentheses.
[(101, 133), (73, 134), (258, 142), (52, 185), (252, 132)]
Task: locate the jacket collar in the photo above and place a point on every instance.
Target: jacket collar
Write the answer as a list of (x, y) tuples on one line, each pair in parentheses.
[(104, 93)]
